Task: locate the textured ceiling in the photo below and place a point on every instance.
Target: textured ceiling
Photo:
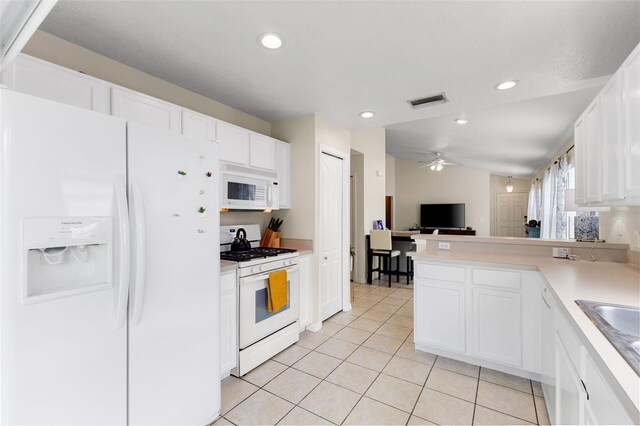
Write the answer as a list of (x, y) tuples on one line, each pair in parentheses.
[(340, 58)]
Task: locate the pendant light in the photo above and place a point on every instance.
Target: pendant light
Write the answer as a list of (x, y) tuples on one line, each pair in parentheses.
[(509, 184)]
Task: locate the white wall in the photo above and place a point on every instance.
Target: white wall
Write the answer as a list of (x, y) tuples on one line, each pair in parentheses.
[(371, 144), (357, 217), (300, 219), (499, 186), (621, 225), (390, 176), (453, 184)]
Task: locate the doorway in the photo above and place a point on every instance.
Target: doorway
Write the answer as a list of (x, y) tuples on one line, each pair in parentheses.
[(388, 209), (510, 211)]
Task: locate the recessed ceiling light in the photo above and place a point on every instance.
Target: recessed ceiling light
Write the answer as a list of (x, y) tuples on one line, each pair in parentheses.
[(270, 40), (367, 114), (510, 84), (461, 120)]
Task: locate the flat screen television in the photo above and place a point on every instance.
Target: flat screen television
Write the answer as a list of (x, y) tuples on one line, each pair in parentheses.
[(442, 215)]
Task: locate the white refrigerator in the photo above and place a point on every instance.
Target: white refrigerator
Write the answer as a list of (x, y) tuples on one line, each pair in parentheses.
[(109, 292)]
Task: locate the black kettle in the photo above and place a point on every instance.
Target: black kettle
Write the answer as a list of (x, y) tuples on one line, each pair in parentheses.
[(240, 242)]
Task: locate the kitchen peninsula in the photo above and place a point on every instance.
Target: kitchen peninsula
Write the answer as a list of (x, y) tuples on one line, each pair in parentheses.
[(507, 304)]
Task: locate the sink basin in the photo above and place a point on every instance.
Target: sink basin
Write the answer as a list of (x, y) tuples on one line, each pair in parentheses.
[(625, 320), (620, 325)]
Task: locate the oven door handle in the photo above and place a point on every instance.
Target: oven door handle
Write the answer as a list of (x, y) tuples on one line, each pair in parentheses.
[(262, 277)]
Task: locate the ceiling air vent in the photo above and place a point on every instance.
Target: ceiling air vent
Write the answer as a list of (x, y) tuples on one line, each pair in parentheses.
[(440, 98)]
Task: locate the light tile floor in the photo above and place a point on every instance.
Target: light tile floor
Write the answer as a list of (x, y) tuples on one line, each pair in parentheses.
[(362, 369)]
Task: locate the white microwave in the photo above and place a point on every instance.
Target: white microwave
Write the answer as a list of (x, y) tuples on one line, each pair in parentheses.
[(242, 191)]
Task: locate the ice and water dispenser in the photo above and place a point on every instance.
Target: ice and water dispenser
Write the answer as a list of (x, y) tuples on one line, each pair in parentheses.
[(66, 256)]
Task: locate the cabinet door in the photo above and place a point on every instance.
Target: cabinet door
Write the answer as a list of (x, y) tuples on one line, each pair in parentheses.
[(579, 141), (198, 125), (305, 291), (284, 174), (234, 143), (601, 405), (228, 324), (497, 325), (263, 152), (569, 390), (613, 143), (42, 79), (139, 108), (631, 106), (593, 160), (440, 321)]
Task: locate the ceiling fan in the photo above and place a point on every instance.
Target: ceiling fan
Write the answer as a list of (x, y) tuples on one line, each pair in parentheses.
[(437, 164)]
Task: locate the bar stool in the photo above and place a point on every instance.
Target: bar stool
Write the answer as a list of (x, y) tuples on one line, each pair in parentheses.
[(409, 255), (382, 249)]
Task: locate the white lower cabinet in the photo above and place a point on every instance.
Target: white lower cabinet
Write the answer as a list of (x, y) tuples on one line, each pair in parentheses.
[(305, 291), (228, 323), (440, 318), (497, 323), (569, 391), (581, 393), (479, 314)]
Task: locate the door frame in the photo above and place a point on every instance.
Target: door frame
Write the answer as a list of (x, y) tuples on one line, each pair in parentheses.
[(346, 172)]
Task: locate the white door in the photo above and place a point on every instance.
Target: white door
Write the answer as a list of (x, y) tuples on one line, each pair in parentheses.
[(63, 351), (331, 235), (511, 208), (174, 352)]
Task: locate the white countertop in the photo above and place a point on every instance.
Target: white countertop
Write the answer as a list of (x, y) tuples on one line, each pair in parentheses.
[(519, 241), (609, 282), (227, 265)]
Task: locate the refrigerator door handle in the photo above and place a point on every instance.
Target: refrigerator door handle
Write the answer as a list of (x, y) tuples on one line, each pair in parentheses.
[(138, 286), (125, 252)]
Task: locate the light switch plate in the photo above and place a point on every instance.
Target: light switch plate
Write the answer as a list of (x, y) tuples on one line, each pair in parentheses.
[(561, 252), (444, 246)]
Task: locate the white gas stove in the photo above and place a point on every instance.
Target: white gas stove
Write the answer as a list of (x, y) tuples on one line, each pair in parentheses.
[(261, 334)]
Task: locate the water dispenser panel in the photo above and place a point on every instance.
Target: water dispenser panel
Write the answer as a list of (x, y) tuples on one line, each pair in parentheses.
[(66, 256)]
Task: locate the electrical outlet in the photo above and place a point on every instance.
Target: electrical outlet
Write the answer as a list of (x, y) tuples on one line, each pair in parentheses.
[(444, 246), (561, 252)]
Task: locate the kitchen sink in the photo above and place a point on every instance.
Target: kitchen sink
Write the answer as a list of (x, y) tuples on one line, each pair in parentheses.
[(620, 325), (622, 318)]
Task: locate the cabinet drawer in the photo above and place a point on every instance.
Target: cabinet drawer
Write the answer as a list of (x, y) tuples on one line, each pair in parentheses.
[(496, 278), (441, 273)]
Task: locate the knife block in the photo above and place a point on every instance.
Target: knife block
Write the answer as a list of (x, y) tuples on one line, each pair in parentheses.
[(270, 239)]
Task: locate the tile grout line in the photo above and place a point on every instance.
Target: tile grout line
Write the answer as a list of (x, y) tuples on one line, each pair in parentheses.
[(475, 401)]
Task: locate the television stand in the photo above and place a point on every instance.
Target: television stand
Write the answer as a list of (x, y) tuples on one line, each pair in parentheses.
[(445, 231)]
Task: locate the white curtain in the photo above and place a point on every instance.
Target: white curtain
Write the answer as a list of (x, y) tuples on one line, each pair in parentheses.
[(533, 209), (549, 203)]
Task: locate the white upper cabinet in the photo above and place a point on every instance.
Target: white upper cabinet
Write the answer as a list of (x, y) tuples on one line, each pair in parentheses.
[(593, 151), (579, 142), (263, 152), (612, 142), (234, 143), (198, 125), (143, 109), (45, 80), (631, 107), (607, 141), (284, 174)]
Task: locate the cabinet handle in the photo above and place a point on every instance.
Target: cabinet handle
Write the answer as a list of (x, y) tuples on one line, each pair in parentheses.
[(585, 389)]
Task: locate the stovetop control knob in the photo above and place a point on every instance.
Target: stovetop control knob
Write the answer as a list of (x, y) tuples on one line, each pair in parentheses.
[(261, 268), (254, 270)]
